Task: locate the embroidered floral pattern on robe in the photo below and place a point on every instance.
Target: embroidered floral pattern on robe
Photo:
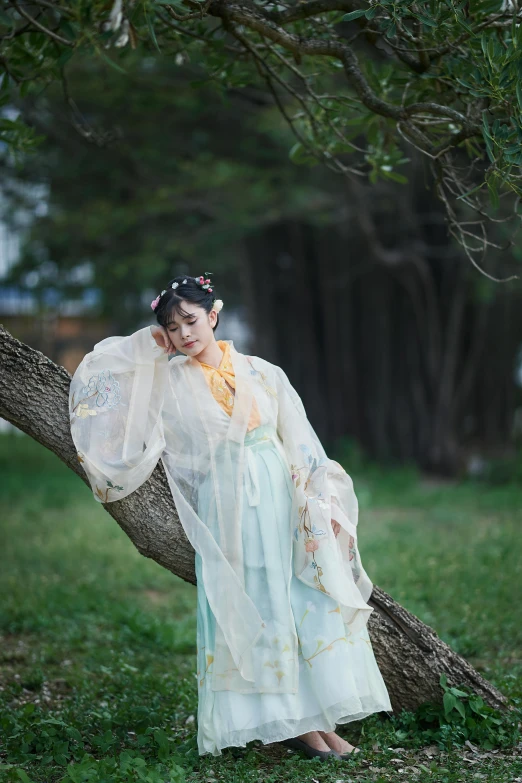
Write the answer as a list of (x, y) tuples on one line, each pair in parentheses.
[(103, 389), (311, 474)]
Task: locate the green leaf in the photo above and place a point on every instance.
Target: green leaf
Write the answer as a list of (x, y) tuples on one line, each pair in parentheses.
[(519, 93), (64, 57), (353, 15), (299, 155), (465, 25), (491, 50), (460, 708), (111, 62), (519, 36), (23, 776), (484, 44), (395, 176), (391, 30), (489, 149), (470, 191), (488, 138), (515, 159), (457, 692), (449, 702), (74, 733), (68, 30), (295, 151), (426, 20), (152, 33)]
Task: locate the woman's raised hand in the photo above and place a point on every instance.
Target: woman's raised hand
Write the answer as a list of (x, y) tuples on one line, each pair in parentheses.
[(162, 338)]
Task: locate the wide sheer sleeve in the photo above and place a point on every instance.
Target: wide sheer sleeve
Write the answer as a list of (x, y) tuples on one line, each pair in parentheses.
[(324, 479), (115, 405), (339, 483)]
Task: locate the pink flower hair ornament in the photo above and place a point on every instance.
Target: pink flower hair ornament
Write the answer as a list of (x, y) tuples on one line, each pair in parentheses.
[(203, 282)]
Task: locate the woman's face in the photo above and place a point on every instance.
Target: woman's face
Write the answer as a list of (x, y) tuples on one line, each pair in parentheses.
[(191, 333)]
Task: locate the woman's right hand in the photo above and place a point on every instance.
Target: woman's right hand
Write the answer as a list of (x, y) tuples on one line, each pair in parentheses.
[(162, 338)]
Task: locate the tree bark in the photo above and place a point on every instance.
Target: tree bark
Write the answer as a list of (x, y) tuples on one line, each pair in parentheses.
[(34, 397)]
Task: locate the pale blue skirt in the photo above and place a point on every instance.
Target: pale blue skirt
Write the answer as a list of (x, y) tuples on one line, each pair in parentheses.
[(339, 680)]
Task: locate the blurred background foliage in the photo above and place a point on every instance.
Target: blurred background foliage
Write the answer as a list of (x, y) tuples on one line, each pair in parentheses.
[(391, 337), (180, 176)]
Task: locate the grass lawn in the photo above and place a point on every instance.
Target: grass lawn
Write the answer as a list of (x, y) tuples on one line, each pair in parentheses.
[(97, 644)]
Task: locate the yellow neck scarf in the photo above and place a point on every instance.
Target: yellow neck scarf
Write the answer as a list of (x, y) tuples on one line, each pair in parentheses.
[(218, 378)]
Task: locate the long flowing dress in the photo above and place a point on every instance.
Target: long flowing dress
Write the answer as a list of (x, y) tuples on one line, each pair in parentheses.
[(282, 640), (338, 677)]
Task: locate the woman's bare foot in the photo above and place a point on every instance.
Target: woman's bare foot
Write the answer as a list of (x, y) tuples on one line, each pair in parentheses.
[(335, 742), (314, 739)]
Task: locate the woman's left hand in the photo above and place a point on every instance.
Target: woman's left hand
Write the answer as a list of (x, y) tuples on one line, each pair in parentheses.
[(336, 527)]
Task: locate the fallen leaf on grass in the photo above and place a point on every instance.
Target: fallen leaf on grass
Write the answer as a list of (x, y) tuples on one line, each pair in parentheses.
[(431, 750)]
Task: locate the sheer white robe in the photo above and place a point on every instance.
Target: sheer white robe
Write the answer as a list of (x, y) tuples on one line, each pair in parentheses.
[(130, 406)]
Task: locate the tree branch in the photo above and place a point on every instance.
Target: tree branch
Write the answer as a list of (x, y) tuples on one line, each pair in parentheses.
[(41, 27)]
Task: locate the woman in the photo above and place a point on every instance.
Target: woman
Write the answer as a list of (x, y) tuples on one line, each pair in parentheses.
[(283, 651)]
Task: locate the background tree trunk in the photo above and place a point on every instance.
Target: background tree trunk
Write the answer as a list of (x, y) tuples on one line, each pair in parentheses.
[(413, 353), (34, 397)]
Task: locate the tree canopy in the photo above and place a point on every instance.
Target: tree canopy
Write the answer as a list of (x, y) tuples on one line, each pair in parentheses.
[(167, 189), (361, 84)]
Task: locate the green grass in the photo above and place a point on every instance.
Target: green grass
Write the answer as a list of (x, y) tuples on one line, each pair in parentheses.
[(97, 650)]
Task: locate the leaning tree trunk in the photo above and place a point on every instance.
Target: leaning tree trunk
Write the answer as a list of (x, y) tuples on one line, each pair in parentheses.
[(34, 397)]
